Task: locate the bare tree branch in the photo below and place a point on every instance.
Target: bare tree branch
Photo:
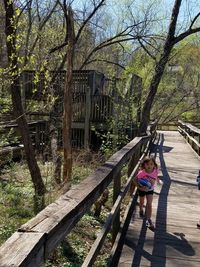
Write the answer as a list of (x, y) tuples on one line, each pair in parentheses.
[(119, 38), (106, 61), (88, 18), (193, 21), (103, 45), (41, 27), (56, 71), (22, 9), (126, 32), (179, 114), (146, 50), (185, 34), (58, 47), (189, 31)]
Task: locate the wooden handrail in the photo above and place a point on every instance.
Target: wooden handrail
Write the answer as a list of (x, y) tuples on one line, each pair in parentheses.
[(36, 239), (191, 138), (15, 125), (190, 132), (102, 235), (189, 126)]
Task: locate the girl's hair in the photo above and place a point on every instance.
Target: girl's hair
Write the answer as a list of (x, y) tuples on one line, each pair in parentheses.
[(146, 160)]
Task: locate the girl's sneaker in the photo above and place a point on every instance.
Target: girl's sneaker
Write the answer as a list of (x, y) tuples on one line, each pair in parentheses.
[(150, 225)]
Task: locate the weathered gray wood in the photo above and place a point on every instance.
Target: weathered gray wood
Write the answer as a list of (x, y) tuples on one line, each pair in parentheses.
[(190, 126), (117, 247), (87, 118), (24, 246), (78, 125), (52, 224), (167, 126), (114, 212), (189, 131), (116, 192), (189, 137), (175, 241), (56, 220), (29, 123), (8, 153), (132, 163)]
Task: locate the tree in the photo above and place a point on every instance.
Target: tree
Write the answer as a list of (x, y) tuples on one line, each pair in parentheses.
[(103, 45), (170, 41), (71, 41), (10, 31), (124, 35), (67, 115), (178, 94)]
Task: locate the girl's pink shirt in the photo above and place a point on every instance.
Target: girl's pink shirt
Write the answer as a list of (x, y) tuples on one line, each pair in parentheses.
[(143, 174), (153, 175)]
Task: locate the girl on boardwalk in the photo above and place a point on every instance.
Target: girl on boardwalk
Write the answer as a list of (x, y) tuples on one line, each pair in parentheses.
[(145, 181)]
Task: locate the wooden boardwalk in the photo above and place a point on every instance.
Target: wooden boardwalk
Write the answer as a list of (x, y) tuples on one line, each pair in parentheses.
[(176, 210)]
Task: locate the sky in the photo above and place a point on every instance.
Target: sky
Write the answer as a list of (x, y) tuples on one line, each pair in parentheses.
[(166, 5), (162, 8), (114, 15)]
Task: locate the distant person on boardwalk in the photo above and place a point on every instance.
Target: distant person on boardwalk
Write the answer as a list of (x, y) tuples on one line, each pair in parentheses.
[(198, 186), (145, 181)]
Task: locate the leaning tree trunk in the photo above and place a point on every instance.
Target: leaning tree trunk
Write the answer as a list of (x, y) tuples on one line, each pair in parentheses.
[(159, 69), (67, 116), (145, 116), (16, 99)]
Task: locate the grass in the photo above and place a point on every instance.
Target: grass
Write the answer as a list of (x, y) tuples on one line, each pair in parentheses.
[(77, 244), (17, 207), (15, 199)]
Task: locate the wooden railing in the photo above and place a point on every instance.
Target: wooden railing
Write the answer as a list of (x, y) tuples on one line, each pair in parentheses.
[(13, 151), (31, 245), (172, 126), (191, 134)]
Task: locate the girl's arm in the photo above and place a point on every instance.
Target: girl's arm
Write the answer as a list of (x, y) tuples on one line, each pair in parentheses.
[(160, 182), (157, 178), (140, 187)]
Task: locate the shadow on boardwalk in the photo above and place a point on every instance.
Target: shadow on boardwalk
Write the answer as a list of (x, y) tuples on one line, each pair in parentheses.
[(161, 237)]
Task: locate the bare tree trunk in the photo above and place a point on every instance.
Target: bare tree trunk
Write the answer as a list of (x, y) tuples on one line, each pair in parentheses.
[(54, 126), (145, 117), (67, 116), (159, 69), (170, 41), (56, 157), (16, 99), (70, 41)]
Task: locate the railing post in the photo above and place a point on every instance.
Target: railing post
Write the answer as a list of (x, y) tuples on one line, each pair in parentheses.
[(199, 147), (37, 137), (87, 118), (131, 165), (190, 133), (116, 191), (23, 90)]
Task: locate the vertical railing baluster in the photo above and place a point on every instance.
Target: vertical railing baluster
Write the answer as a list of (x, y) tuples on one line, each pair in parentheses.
[(116, 192)]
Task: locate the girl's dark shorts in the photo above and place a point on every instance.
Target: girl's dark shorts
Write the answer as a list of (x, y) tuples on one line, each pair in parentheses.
[(144, 193)]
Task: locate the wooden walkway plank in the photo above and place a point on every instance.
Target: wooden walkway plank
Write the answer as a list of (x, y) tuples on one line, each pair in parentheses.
[(176, 240)]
